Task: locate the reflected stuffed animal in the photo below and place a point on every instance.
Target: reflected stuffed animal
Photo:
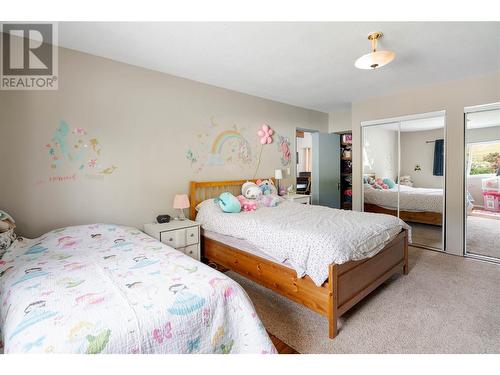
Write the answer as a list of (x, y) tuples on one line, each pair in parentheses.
[(247, 204), (228, 203)]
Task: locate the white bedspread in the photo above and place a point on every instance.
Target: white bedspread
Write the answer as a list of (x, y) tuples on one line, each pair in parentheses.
[(308, 237), (410, 198), (113, 289)]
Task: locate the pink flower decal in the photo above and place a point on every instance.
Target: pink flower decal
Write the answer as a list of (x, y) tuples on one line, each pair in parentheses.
[(265, 133)]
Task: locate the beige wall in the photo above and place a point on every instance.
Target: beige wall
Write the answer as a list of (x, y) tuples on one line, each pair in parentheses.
[(340, 120), (145, 122), (415, 150), (449, 96), (380, 151)]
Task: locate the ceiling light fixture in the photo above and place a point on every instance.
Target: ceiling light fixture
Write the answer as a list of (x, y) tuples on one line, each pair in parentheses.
[(375, 59)]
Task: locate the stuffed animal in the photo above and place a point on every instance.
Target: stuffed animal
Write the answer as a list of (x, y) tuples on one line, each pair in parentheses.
[(405, 180), (247, 204), (267, 187), (7, 234), (269, 200), (228, 203), (250, 190), (6, 222)]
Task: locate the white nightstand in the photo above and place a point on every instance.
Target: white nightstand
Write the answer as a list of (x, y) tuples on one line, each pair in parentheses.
[(181, 235), (298, 198)]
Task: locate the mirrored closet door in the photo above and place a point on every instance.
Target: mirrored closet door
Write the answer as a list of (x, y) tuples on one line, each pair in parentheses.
[(403, 173), (482, 182)]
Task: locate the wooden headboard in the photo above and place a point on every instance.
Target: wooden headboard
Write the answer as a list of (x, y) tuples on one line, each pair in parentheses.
[(201, 190)]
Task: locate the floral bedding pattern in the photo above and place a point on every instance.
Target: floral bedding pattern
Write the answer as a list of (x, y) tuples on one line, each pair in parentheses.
[(113, 289)]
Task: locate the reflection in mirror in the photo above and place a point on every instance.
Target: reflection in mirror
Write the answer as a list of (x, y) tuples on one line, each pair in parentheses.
[(422, 179), (482, 172), (403, 174), (380, 168)]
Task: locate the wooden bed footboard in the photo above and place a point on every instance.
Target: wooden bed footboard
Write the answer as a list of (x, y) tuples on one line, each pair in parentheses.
[(347, 283)]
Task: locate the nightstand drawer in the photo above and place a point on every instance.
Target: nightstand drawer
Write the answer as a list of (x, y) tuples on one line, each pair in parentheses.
[(191, 251), (192, 235), (174, 238)]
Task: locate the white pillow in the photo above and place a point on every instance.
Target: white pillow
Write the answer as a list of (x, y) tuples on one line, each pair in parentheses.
[(205, 203)]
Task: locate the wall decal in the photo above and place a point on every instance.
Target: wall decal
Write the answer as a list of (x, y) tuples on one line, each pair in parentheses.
[(266, 137), (72, 152), (284, 149), (241, 148), (220, 146)]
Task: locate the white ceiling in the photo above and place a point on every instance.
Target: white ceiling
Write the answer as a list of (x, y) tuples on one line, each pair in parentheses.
[(305, 64)]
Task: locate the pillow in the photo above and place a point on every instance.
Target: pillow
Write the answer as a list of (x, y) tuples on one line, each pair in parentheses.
[(390, 183)]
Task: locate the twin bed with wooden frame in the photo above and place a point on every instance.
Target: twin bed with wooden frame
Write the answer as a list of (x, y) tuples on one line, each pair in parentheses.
[(347, 283)]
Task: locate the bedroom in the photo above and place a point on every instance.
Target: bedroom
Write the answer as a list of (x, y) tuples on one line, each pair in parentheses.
[(203, 120)]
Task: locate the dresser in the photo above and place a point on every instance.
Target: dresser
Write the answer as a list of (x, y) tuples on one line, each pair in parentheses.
[(181, 235)]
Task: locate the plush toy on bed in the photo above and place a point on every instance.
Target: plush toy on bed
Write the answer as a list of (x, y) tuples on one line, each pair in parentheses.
[(381, 183), (7, 234), (269, 200), (247, 204), (250, 190), (228, 203), (267, 187)]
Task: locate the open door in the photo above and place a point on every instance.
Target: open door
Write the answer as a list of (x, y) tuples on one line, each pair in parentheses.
[(326, 169)]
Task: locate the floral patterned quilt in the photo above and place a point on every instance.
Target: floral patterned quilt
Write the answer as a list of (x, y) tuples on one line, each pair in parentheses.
[(113, 289)]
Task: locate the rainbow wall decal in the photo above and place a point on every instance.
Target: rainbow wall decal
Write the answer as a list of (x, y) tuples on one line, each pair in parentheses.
[(243, 152)]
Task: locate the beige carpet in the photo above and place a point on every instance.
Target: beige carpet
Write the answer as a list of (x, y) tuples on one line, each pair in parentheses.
[(483, 236), (447, 304), (427, 235)]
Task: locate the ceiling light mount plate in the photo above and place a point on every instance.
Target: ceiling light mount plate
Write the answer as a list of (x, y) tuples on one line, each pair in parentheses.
[(375, 35)]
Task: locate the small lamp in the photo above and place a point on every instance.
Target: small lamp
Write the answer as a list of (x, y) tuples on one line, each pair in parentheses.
[(278, 175), (181, 201)]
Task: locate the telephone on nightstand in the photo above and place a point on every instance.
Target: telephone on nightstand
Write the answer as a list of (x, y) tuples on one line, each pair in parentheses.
[(161, 219)]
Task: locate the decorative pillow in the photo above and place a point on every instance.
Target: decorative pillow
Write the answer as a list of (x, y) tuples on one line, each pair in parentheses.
[(390, 183), (228, 203)]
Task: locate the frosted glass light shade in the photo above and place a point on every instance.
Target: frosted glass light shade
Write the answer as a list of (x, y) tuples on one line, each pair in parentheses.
[(278, 174), (181, 201), (374, 60)]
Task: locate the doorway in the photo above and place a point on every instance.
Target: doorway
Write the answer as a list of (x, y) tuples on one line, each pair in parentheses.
[(303, 159), (318, 163)]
